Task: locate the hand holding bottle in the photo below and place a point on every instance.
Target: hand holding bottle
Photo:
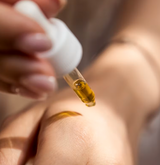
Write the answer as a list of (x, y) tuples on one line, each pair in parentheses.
[(21, 71)]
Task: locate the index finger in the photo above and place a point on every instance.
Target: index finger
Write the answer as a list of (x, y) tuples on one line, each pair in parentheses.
[(49, 7)]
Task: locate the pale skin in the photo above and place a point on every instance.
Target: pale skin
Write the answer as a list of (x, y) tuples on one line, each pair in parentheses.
[(126, 83)]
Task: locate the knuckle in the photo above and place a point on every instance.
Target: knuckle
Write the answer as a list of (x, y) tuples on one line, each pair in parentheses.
[(80, 131)]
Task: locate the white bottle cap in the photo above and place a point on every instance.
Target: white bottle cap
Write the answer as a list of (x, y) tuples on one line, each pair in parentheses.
[(66, 52)]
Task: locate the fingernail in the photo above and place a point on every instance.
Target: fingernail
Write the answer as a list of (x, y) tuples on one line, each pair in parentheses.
[(33, 43), (26, 93), (40, 83)]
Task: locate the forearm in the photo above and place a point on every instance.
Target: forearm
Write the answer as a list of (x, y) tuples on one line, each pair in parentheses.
[(138, 21), (123, 81), (139, 15), (137, 28)]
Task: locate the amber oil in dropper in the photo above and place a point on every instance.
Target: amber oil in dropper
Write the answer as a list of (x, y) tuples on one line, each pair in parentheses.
[(81, 88), (84, 92)]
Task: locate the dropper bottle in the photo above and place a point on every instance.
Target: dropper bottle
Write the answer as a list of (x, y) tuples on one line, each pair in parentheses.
[(66, 53)]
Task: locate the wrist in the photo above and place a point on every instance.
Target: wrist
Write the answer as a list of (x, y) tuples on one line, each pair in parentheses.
[(123, 80)]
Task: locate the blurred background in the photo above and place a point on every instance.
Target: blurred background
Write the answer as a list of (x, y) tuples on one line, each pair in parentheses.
[(92, 23)]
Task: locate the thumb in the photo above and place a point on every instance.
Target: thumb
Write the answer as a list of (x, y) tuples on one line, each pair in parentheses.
[(20, 32)]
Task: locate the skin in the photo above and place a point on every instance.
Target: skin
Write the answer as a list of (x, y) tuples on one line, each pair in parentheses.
[(104, 134), (125, 79)]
